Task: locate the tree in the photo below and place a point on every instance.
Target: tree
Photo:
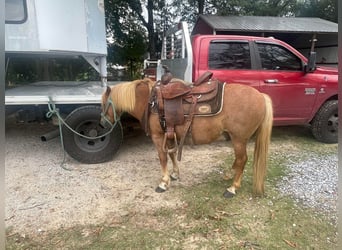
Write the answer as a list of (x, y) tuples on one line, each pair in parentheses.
[(126, 38), (137, 26), (121, 12), (255, 7), (325, 9), (188, 10)]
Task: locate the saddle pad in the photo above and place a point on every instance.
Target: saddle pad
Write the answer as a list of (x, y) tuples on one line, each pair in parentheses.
[(206, 104)]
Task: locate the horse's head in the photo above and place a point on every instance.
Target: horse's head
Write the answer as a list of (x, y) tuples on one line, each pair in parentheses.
[(131, 97), (107, 114)]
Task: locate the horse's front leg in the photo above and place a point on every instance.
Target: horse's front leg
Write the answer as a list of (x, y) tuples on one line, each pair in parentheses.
[(165, 181), (175, 169)]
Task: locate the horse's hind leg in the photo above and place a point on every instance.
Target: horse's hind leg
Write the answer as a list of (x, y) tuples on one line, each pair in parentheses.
[(238, 166)]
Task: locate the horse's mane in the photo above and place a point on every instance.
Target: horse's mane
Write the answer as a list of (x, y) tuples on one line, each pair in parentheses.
[(123, 94)]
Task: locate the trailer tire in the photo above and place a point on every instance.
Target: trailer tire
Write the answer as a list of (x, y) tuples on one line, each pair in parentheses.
[(86, 121), (324, 126)]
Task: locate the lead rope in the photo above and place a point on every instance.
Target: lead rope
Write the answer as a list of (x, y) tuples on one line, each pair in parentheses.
[(54, 111)]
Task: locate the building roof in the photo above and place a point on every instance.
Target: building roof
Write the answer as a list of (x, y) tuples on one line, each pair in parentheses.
[(266, 24), (296, 31)]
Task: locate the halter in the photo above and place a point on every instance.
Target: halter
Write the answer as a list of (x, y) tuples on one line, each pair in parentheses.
[(104, 114)]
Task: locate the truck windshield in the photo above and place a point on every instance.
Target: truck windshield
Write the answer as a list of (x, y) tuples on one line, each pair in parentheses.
[(15, 11)]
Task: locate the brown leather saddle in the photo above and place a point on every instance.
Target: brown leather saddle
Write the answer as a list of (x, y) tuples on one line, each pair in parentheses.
[(178, 103)]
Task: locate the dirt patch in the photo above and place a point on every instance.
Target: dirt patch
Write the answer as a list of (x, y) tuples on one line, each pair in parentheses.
[(42, 196)]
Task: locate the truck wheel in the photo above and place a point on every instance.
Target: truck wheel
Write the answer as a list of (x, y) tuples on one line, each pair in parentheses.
[(325, 124), (86, 121)]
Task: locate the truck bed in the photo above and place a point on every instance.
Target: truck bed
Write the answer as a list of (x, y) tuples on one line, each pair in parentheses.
[(60, 92)]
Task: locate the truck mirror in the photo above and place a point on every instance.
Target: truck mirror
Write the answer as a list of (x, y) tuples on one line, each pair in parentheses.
[(311, 66)]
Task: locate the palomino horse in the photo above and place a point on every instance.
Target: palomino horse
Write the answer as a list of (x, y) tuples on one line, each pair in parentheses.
[(245, 112)]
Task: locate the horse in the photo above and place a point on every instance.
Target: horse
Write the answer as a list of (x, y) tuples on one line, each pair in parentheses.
[(245, 112)]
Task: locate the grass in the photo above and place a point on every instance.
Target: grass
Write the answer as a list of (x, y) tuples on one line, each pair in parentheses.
[(205, 220)]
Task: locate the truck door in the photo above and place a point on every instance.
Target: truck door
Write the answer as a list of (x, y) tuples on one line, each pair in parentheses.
[(282, 77), (230, 61)]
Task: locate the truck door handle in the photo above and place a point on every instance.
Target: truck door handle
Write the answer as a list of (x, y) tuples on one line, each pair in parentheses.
[(271, 81)]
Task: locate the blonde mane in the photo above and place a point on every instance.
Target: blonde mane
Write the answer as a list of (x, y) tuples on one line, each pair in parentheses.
[(123, 94)]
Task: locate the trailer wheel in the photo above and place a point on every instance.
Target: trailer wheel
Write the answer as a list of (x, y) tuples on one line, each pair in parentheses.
[(325, 124), (86, 121)]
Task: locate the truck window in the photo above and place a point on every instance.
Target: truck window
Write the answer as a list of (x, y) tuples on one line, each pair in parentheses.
[(229, 55), (275, 57), (15, 11)]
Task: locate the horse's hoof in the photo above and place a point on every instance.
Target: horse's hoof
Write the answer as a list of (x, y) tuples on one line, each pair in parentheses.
[(173, 178), (160, 190), (228, 194)]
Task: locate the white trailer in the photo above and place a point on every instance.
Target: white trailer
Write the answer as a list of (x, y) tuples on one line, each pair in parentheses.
[(62, 29)]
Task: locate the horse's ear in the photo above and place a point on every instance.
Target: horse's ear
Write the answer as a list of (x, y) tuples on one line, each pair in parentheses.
[(108, 90)]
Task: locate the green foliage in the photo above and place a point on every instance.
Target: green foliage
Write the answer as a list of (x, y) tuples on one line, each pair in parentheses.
[(128, 50), (33, 69), (135, 29), (326, 9), (127, 40), (188, 10), (255, 7)]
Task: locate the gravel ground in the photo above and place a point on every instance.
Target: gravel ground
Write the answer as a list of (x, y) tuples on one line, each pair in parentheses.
[(314, 183), (41, 196)]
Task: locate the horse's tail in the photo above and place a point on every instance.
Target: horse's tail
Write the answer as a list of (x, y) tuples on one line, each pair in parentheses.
[(263, 137)]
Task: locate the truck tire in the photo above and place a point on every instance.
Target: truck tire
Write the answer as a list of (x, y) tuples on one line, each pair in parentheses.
[(324, 126), (86, 121)]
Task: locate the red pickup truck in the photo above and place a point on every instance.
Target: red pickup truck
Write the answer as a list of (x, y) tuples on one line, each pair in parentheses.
[(302, 93)]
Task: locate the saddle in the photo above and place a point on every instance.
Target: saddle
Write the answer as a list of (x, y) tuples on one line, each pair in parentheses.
[(178, 102)]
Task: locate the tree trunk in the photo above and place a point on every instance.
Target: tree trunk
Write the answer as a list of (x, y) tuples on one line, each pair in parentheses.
[(150, 29), (200, 6)]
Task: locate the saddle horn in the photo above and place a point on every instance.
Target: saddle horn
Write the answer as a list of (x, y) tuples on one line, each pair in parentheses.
[(167, 76)]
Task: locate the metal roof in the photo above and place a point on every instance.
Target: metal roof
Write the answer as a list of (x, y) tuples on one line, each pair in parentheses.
[(267, 24)]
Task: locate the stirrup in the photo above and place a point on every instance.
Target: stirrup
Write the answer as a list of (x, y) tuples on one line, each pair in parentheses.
[(172, 150)]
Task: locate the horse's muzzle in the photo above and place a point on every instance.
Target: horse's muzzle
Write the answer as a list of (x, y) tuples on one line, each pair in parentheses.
[(104, 122)]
